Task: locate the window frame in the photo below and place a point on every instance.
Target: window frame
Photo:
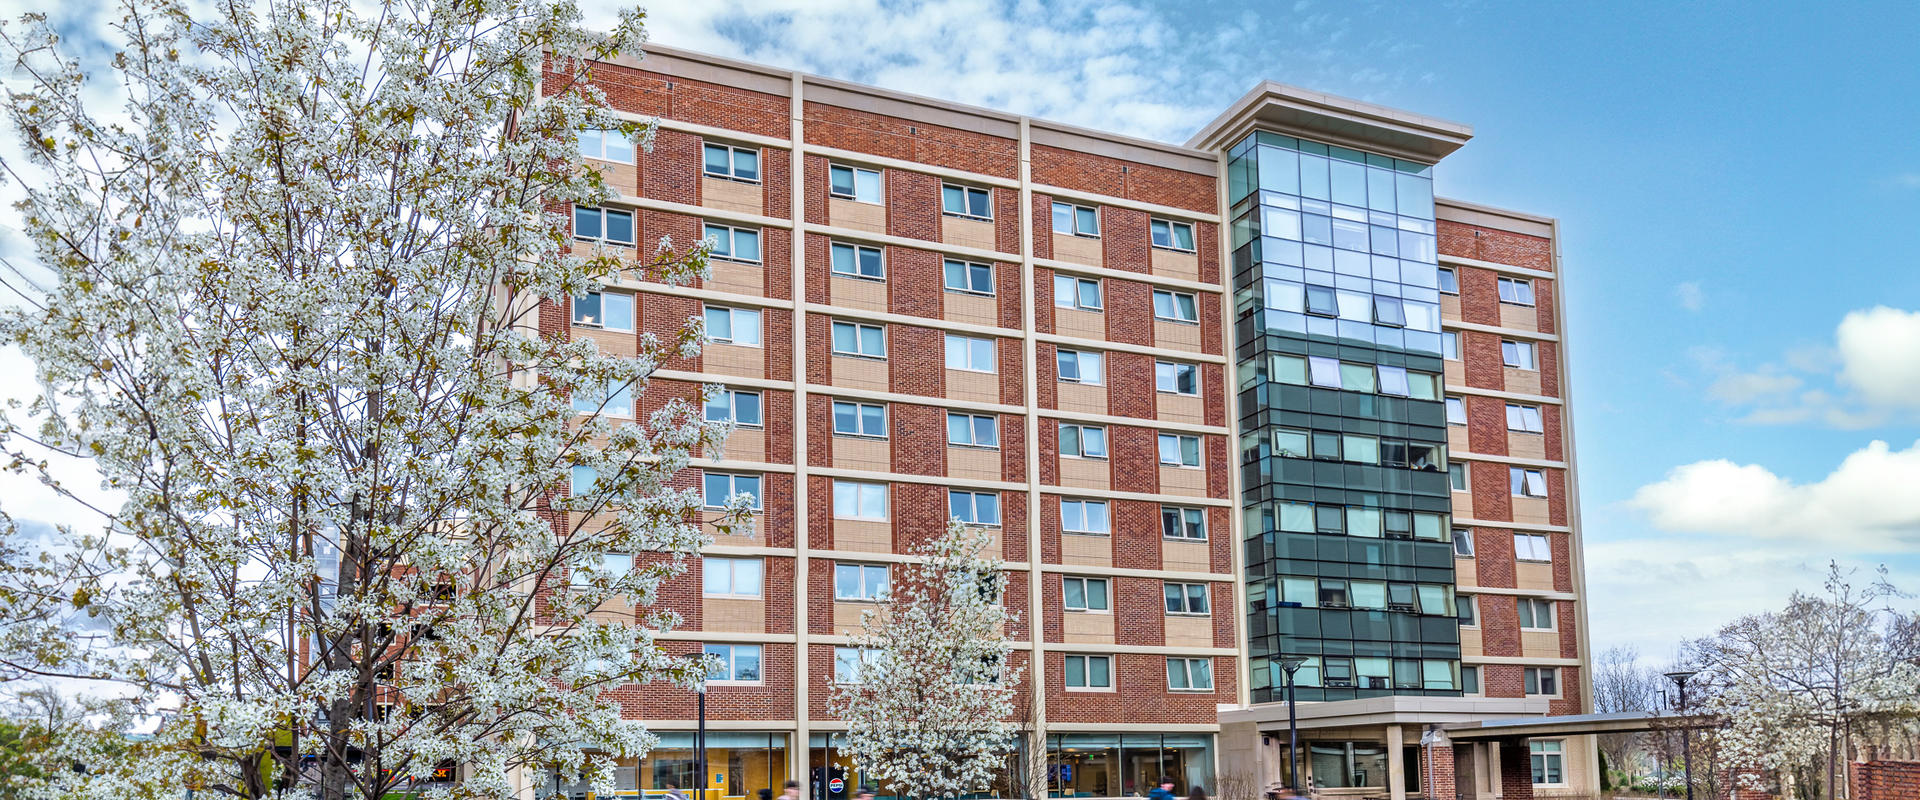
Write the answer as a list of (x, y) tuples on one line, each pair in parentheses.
[(1181, 523), (1173, 239), (1080, 440), (1534, 680), (1186, 669), (1086, 672), (1176, 367), (1180, 444), (733, 237), (974, 504), (859, 489), (833, 264), (1544, 763), (858, 328), (1100, 358), (733, 152), (972, 421), (1529, 480), (603, 211), (879, 180), (1459, 535), (859, 418), (732, 666), (1106, 594), (731, 398), (967, 271), (1466, 477), (1469, 606), (581, 577), (1449, 272), (966, 193), (1174, 302), (1530, 610), (993, 353), (1450, 345), (1079, 285), (1533, 414), (605, 324), (1530, 349), (1518, 284), (734, 313), (733, 479), (601, 135), (1186, 599), (1106, 516), (733, 563), (1544, 544), (1073, 215), (868, 594), (862, 656), (1453, 402)]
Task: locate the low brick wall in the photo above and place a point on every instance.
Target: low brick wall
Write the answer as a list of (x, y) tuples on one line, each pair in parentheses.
[(1884, 780)]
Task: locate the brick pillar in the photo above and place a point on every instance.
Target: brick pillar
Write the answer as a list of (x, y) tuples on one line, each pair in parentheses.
[(1438, 779), (1730, 788), (1516, 770)]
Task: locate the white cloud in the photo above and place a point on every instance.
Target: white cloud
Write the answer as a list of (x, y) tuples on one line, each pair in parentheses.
[(1880, 355), (1868, 504), (1690, 296), (1747, 387), (1868, 376)]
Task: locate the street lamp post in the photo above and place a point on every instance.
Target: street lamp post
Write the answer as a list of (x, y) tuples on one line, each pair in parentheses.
[(1292, 664), (1679, 678), (700, 743)]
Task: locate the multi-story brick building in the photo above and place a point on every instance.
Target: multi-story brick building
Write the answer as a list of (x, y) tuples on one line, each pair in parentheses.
[(1255, 397)]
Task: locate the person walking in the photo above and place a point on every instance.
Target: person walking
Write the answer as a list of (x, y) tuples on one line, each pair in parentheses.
[(1197, 793), (792, 792), (1164, 791), (674, 793)]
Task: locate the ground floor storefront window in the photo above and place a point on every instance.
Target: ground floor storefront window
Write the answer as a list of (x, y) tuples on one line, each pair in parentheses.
[(739, 765), (832, 774), (1127, 765), (1342, 765)]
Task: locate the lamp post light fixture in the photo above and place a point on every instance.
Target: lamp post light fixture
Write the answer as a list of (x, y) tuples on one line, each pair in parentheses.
[(1679, 677), (700, 742), (1292, 664)]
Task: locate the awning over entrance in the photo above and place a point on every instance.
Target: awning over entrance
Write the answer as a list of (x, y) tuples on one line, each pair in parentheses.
[(1575, 724)]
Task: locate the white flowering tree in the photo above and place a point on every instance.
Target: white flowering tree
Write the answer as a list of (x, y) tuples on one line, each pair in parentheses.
[(289, 263), (929, 702)]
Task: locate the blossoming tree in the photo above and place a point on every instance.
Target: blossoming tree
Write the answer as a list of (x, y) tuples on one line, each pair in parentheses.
[(285, 297)]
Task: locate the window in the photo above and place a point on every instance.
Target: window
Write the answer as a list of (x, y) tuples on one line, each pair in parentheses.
[(974, 508), (1291, 443), (1321, 301), (611, 401), (1176, 378), (1081, 367), (1190, 674), (859, 582), (1518, 291), (603, 225), (1183, 523), (1449, 282), (969, 353), (1456, 411), (1547, 758), (732, 163), (1525, 419), (1393, 381), (734, 663), (1179, 451), (606, 146), (1083, 441), (856, 339), (719, 486), (854, 183), (1083, 516), (1457, 477), (611, 567), (582, 480), (1463, 542), (1470, 680), (1175, 306), (1075, 220), (1536, 615), (1171, 235), (604, 310), (965, 201), (1084, 594), (857, 261), (1388, 311), (1519, 355), (734, 244), (1186, 598), (1089, 672), (1469, 610), (730, 577), (1527, 482), (859, 419), (973, 430), (1531, 547), (854, 664), (1543, 681), (736, 326), (966, 276), (860, 500), (1071, 292), (743, 408), (1450, 345)]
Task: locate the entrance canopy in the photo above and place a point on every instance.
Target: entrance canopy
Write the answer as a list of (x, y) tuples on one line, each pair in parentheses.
[(1575, 724)]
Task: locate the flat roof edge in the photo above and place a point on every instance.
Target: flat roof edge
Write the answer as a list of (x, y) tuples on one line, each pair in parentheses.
[(1506, 219), (1333, 119)]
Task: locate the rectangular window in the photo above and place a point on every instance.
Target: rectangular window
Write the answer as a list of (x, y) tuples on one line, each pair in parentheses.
[(1548, 758), (735, 326), (1083, 441), (1174, 377), (1175, 307), (1527, 482), (1449, 282), (582, 480), (719, 486), (1388, 311), (611, 401), (859, 339), (1525, 419), (1081, 367), (1190, 674), (1393, 381), (859, 419), (859, 582), (1450, 345), (1179, 451), (1084, 516), (1186, 598), (1518, 355), (974, 508), (1536, 615), (1518, 291), (860, 500), (1531, 547), (1463, 542), (1288, 443), (1457, 477), (1075, 220), (1171, 235), (611, 567), (1183, 523), (609, 145), (857, 261), (1469, 610), (969, 353), (966, 276), (855, 664), (1081, 293), (734, 244), (1084, 594), (730, 577), (1456, 411), (973, 430), (1326, 372), (1089, 672), (603, 225), (742, 408), (1543, 681), (1321, 301), (966, 201), (1470, 680), (605, 310), (734, 663), (854, 183), (732, 163)]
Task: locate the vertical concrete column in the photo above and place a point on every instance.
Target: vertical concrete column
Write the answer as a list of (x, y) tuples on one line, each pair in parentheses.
[(1516, 770), (799, 752), (1438, 781), (1396, 763)]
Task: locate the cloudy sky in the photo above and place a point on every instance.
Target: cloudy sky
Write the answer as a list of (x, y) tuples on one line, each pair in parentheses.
[(1737, 186)]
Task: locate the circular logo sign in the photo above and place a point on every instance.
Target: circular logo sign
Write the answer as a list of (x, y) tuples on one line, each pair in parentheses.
[(836, 785)]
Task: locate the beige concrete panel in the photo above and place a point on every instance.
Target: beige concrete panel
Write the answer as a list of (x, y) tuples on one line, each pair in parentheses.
[(1522, 381), (745, 198), (1080, 323), (1086, 551), (1176, 335), (1450, 306), (736, 277), (733, 614), (1180, 408), (1455, 372), (1085, 473), (846, 616), (1471, 645), (976, 463), (744, 536), (854, 372), (744, 444), (1077, 250), (1522, 318), (970, 308), (859, 452), (858, 293), (1185, 481), (1465, 574), (1526, 445), (1175, 264), (1530, 509), (1180, 554), (1082, 398), (1535, 575), (622, 178), (862, 536), (979, 387), (1189, 631), (613, 343), (1457, 439), (735, 360), (968, 232), (992, 548), (859, 216), (1083, 627), (1463, 504), (1539, 644), (613, 609)]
